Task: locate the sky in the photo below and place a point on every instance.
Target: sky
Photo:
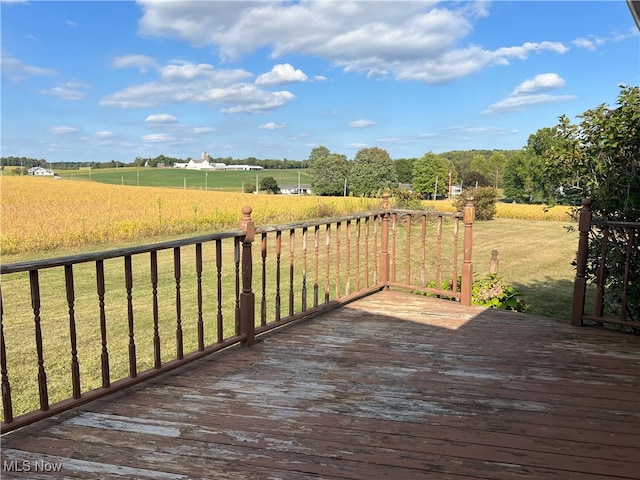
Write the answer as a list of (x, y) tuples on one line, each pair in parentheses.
[(115, 80)]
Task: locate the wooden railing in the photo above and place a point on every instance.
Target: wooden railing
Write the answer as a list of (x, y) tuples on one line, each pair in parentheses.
[(617, 239), (84, 326)]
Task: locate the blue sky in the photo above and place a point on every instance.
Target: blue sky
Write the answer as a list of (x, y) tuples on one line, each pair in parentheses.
[(96, 81)]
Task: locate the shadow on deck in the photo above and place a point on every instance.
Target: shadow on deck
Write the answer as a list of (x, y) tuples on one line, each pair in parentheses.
[(393, 386)]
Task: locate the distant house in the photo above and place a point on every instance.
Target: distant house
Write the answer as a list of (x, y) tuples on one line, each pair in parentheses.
[(40, 172), (244, 167), (295, 189), (455, 190)]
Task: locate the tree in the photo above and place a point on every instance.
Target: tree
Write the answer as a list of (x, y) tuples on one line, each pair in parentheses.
[(327, 172), (475, 179), (404, 168), (432, 170), (269, 184), (372, 171), (515, 177), (600, 157)]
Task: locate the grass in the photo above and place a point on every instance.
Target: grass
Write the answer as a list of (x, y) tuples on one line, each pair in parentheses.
[(231, 180), (535, 257)]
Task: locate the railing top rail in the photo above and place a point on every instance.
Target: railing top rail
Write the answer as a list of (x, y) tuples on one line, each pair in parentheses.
[(602, 222), (115, 253)]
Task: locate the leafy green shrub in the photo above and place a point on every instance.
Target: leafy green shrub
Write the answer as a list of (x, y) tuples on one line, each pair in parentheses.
[(484, 199), (407, 199), (490, 291)]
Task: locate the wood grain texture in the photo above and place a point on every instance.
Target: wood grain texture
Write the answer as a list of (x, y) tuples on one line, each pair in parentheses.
[(395, 386)]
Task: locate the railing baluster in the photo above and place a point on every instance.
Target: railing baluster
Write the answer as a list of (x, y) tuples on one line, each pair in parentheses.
[(236, 252), (337, 286), (104, 355), (394, 228), (263, 303), (292, 249), (456, 228), (156, 315), (602, 273), (199, 296), (376, 253), (304, 268), (177, 273), (316, 247), (128, 278), (358, 231), (75, 367), (219, 318), (328, 261), (7, 404), (439, 253), (423, 259), (366, 252), (408, 252), (627, 272), (35, 303), (347, 287), (278, 255)]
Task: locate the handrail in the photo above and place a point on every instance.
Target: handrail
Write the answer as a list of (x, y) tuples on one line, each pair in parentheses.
[(608, 229), (131, 327)]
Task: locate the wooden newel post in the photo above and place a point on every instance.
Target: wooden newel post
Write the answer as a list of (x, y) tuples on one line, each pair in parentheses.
[(247, 297), (580, 282), (466, 283), (384, 248)]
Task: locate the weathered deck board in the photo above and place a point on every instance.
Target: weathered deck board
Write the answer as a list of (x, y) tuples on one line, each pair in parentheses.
[(394, 386)]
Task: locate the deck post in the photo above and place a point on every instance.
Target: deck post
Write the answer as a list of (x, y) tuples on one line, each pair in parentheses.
[(384, 240), (466, 282), (247, 297), (580, 282)]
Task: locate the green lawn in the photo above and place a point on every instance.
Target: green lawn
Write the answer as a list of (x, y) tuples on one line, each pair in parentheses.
[(179, 178), (535, 257)]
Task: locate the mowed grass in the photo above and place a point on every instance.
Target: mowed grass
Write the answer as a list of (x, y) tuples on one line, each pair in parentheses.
[(232, 180)]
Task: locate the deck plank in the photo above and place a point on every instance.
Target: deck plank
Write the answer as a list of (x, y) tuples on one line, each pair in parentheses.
[(392, 386)]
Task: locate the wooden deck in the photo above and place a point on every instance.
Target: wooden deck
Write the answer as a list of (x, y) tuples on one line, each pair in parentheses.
[(393, 386)]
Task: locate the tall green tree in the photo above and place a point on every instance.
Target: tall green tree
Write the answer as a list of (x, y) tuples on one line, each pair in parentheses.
[(432, 170), (404, 168), (372, 171), (327, 172), (600, 156)]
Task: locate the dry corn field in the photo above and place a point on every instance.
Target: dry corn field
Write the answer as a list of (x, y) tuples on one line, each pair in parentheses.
[(41, 214)]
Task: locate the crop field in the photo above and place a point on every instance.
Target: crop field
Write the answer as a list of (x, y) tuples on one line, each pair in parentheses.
[(70, 214)]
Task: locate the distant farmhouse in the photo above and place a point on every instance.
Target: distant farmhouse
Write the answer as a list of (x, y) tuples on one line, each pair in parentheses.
[(40, 172), (204, 163)]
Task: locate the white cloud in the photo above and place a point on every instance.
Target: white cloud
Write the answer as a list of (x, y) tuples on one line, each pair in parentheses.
[(103, 134), (199, 130), (584, 43), (68, 91), (71, 23), (520, 103), (540, 83), (528, 94), (141, 62), (362, 123), (63, 130), (272, 126), (157, 138), (15, 70), (593, 42), (199, 84), (404, 40), (279, 74), (161, 118)]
